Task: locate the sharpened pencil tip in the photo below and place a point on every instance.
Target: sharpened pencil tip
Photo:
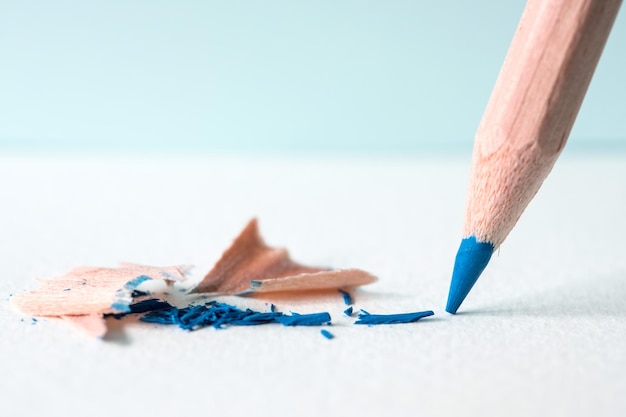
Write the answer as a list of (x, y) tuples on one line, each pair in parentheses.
[(471, 259)]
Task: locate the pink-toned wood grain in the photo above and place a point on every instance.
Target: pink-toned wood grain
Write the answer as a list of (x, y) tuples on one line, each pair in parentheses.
[(88, 290), (249, 265), (323, 280), (532, 108)]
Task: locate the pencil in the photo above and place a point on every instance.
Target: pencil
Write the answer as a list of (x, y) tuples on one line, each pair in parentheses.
[(526, 123)]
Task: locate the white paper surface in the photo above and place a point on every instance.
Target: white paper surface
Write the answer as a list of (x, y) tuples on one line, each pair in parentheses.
[(542, 333)]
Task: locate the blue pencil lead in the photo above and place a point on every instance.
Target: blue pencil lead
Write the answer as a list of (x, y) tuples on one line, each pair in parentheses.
[(327, 334), (135, 282), (220, 315), (471, 260), (144, 306), (348, 311), (374, 319), (137, 293), (347, 298), (315, 319)]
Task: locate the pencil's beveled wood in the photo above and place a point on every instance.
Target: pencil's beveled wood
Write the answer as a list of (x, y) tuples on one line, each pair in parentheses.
[(532, 109)]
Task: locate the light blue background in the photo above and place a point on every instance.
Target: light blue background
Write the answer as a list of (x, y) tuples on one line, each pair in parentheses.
[(266, 76)]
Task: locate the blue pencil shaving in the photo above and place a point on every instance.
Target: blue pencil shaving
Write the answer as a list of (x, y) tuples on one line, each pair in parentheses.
[(121, 306), (327, 334), (375, 319), (315, 319), (255, 318), (152, 304), (135, 282), (138, 293), (124, 296), (220, 315), (347, 298), (143, 306), (348, 311)]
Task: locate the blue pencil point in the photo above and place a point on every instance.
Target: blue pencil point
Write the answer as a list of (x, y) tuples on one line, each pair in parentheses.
[(471, 259)]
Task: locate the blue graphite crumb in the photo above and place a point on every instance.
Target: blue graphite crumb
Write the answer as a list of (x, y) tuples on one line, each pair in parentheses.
[(315, 319), (375, 319), (33, 320), (347, 298), (220, 315), (66, 289), (348, 311), (255, 319), (138, 293), (121, 306), (273, 308), (135, 282), (143, 306), (152, 304), (327, 334)]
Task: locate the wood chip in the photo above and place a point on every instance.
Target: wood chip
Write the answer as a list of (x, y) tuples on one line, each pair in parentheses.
[(84, 294), (250, 266)]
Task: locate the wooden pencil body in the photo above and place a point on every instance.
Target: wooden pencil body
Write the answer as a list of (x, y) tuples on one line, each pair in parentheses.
[(532, 109)]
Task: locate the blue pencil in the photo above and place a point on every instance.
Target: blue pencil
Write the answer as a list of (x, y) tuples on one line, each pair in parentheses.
[(529, 116)]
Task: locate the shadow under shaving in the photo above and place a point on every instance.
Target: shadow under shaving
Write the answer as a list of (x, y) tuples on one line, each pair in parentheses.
[(598, 296), (359, 297), (115, 329)]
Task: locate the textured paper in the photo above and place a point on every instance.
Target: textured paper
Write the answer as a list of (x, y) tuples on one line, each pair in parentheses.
[(544, 332)]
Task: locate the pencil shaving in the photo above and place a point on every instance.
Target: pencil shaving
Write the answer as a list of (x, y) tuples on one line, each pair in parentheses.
[(251, 266), (84, 294), (338, 278)]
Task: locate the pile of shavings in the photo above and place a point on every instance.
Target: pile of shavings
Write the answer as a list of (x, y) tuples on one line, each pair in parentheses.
[(220, 315), (85, 296)]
